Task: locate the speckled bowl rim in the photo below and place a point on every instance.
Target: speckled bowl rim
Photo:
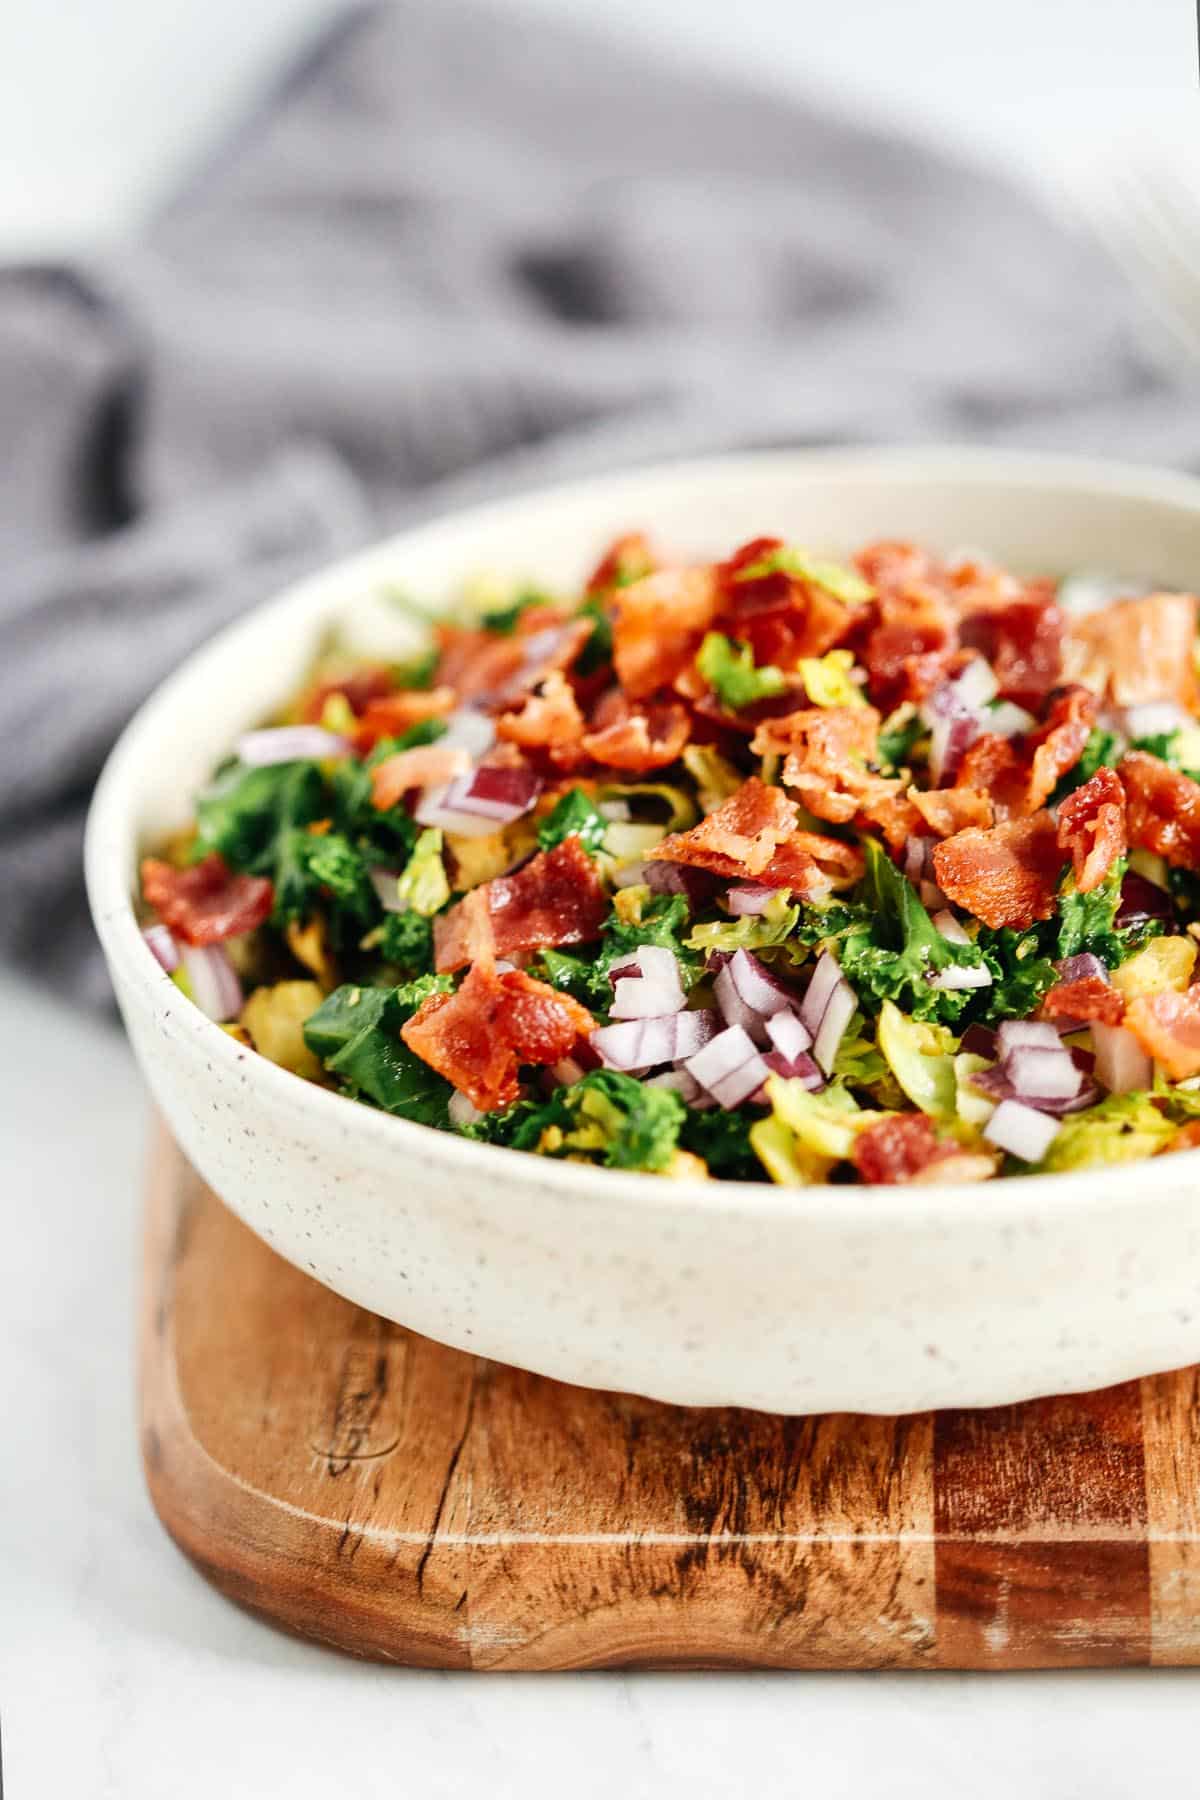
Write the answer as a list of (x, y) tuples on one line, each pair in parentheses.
[(116, 924)]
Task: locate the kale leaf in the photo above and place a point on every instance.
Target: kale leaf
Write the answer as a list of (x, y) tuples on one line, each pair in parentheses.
[(573, 816), (729, 669), (355, 1033)]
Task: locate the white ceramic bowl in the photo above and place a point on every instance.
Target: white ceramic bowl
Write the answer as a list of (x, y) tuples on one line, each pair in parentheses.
[(865, 1299)]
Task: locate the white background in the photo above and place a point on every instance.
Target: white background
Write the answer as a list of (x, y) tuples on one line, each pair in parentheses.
[(121, 1673)]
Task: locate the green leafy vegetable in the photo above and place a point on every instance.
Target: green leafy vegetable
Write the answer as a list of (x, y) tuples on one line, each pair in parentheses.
[(1021, 972), (1087, 922), (723, 1140), (751, 932), (1101, 750), (423, 886), (406, 940), (1121, 1129), (245, 813), (892, 949), (729, 670), (573, 816), (844, 584), (355, 1032), (899, 736), (921, 1057), (606, 1117)]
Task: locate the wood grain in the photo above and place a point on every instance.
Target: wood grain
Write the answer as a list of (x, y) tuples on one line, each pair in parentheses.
[(362, 1486)]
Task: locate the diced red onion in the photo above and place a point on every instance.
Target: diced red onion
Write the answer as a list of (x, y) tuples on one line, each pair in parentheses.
[(825, 978), (387, 885), (788, 1035), (213, 978), (289, 743), (949, 740), (461, 1110), (997, 1085), (678, 1081), (162, 947), (1156, 718), (641, 998), (741, 1084), (470, 730), (1121, 1065), (478, 804), (958, 977), (757, 986), (978, 1040), (749, 901), (634, 1044), (721, 1058), (696, 885), (800, 1068), (1038, 1074), (950, 927), (840, 1009), (1021, 1131), (693, 1030), (567, 1072), (735, 1010), (918, 852), (1014, 1034), (975, 686), (1141, 900), (1008, 720), (1084, 967), (615, 811), (656, 963), (433, 809)]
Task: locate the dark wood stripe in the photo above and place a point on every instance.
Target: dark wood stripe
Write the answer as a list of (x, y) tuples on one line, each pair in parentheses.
[(1040, 1520)]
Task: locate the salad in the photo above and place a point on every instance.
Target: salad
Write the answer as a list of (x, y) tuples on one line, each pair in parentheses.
[(768, 869)]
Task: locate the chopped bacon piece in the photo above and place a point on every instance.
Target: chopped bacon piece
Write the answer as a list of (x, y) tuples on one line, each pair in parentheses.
[(1137, 650), (782, 617), (548, 720), (658, 626), (208, 902), (1091, 826), (555, 899), (1162, 809), (425, 766), (891, 566), (359, 687), (644, 738), (992, 766), (829, 751), (626, 560), (949, 810), (478, 664), (913, 647), (393, 714), (811, 865), (1022, 638), (1005, 876), (1058, 744), (1088, 998), (479, 1037), (1167, 1026), (740, 837), (899, 1148), (1187, 1137)]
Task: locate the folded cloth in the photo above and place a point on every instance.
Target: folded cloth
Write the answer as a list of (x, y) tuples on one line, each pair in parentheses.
[(459, 250)]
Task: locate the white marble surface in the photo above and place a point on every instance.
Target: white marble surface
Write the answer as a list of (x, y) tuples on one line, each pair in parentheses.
[(124, 1677)]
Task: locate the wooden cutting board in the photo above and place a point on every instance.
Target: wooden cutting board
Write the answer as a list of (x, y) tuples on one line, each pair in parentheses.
[(368, 1488)]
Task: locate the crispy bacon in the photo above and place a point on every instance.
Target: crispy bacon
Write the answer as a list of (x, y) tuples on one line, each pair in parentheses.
[(658, 626), (740, 837), (1091, 827), (812, 865), (479, 1037), (1059, 743), (913, 647), (360, 687), (781, 616), (891, 566), (829, 750), (626, 560), (1022, 637), (476, 663), (427, 765), (393, 714), (1137, 650), (992, 766), (642, 738), (548, 720), (899, 1148), (1089, 998), (1162, 809), (555, 899), (950, 810), (208, 902), (1167, 1026), (1187, 1137), (1006, 876)]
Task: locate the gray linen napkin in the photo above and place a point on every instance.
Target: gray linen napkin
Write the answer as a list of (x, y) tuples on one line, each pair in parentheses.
[(456, 252)]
